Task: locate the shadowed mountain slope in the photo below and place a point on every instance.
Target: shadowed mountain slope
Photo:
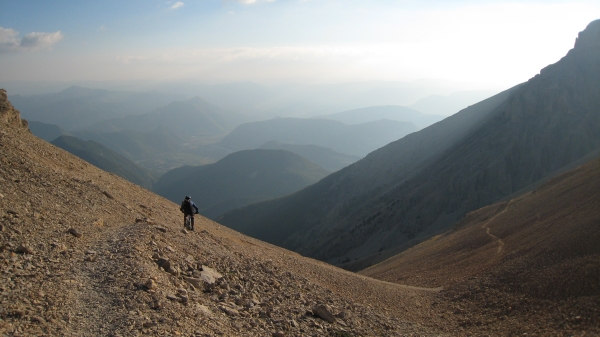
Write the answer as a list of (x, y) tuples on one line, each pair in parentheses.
[(391, 112), (421, 184), (240, 179), (77, 107), (539, 250), (86, 253), (322, 156), (47, 132), (105, 159), (355, 140)]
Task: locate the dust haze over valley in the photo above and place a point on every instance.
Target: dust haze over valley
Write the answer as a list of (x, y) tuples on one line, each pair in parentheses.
[(359, 170)]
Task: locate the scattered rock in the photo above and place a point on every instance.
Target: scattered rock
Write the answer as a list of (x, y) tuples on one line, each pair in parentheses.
[(150, 284), (75, 232), (173, 298), (155, 304), (23, 249), (164, 263), (108, 195), (38, 319), (149, 325), (161, 229), (209, 275), (324, 312), (229, 311), (278, 334)]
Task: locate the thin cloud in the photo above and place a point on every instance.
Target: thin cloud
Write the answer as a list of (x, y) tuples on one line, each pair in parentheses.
[(178, 4), (35, 41), (252, 2)]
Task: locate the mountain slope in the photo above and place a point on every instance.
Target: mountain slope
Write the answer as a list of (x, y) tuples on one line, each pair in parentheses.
[(322, 156), (47, 132), (355, 140), (105, 159), (421, 184), (239, 179), (391, 112), (77, 107), (86, 253), (541, 246)]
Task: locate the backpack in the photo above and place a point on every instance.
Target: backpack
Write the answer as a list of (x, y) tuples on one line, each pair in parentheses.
[(186, 207)]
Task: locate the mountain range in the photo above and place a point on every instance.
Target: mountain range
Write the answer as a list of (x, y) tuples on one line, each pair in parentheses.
[(191, 118), (85, 252), (240, 179), (356, 140), (322, 156), (390, 112), (77, 107), (420, 185)]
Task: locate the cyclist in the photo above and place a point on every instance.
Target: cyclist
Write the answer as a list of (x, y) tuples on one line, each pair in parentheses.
[(188, 208)]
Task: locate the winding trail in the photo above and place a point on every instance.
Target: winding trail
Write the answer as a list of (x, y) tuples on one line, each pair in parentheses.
[(487, 228)]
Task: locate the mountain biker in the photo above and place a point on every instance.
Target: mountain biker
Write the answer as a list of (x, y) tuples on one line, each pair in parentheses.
[(188, 208)]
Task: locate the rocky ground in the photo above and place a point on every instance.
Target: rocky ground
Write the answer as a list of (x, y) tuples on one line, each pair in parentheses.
[(86, 253)]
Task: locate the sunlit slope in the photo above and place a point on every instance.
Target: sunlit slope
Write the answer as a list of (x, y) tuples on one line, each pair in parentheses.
[(239, 179), (423, 183), (542, 246)]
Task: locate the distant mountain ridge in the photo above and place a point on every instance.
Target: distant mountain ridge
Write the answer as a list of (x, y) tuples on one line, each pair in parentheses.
[(390, 112), (451, 104), (77, 107), (239, 179), (189, 118), (421, 184), (322, 156), (357, 140)]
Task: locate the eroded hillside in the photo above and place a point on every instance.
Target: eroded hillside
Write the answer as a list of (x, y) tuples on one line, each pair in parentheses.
[(86, 253)]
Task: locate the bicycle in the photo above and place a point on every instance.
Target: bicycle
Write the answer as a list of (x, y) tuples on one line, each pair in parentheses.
[(188, 222)]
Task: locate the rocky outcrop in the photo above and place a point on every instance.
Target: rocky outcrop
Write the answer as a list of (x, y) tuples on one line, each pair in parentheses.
[(9, 116), (589, 39)]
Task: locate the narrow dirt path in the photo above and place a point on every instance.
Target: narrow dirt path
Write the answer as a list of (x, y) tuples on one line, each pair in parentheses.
[(487, 228)]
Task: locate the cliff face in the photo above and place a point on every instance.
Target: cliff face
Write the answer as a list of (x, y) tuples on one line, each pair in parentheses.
[(9, 116)]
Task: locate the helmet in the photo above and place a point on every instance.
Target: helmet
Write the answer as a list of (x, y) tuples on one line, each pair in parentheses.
[(187, 197)]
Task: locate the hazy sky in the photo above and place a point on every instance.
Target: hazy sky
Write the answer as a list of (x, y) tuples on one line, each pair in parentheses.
[(498, 43)]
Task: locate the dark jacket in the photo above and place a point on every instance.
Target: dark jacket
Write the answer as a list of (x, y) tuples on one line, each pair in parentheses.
[(188, 207)]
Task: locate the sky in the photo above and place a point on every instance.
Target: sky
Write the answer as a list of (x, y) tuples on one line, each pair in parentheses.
[(491, 43)]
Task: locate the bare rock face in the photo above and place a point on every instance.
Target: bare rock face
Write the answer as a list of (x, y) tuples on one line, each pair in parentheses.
[(9, 116), (590, 37)]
